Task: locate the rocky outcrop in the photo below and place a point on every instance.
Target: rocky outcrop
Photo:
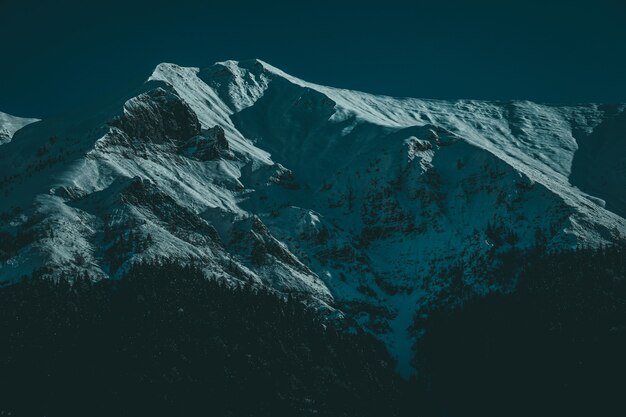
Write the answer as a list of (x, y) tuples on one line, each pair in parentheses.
[(209, 146), (157, 116)]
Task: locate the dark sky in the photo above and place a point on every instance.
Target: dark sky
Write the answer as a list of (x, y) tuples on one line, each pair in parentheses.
[(60, 55)]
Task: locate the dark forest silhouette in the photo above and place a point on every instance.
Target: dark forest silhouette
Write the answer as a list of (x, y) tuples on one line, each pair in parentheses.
[(166, 341), (554, 346)]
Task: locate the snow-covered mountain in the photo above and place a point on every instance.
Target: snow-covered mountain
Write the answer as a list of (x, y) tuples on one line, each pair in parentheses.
[(370, 206), (11, 124)]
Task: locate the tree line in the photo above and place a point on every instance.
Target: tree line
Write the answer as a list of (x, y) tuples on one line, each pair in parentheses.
[(164, 340)]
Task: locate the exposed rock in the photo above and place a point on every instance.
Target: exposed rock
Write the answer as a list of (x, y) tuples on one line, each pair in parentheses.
[(210, 146), (156, 116)]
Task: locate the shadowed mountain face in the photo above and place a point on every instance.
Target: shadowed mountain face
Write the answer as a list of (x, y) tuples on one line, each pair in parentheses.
[(11, 124), (366, 206), (599, 165)]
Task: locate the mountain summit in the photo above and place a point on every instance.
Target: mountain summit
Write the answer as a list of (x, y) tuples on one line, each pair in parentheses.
[(11, 124), (368, 206)]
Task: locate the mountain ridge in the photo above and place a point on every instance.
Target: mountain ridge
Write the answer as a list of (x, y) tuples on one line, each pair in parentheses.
[(360, 204), (9, 125)]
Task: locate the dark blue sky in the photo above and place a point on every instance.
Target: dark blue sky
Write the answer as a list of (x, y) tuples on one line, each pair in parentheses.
[(58, 55)]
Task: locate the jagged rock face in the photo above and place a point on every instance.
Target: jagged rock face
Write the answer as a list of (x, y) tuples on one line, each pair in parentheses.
[(158, 115), (217, 135), (361, 204), (210, 146)]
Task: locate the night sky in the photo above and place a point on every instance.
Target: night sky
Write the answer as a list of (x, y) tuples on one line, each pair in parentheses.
[(60, 55)]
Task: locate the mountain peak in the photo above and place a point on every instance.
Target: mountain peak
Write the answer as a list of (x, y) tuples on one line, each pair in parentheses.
[(9, 125), (232, 67), (254, 65), (350, 199), (167, 70)]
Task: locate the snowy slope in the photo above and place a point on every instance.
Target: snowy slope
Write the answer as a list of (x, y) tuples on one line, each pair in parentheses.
[(11, 124), (362, 204)]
